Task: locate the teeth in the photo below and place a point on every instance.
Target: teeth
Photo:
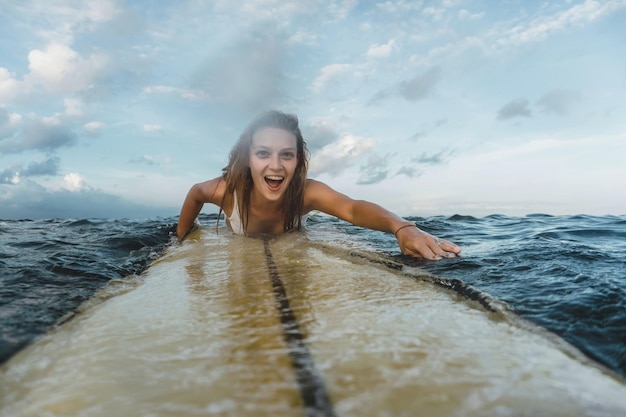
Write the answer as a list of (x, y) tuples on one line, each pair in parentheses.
[(274, 178)]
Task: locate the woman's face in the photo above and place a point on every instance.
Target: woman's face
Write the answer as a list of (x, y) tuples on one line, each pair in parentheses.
[(273, 161)]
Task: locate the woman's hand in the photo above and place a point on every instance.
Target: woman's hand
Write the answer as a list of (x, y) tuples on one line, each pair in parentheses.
[(420, 244)]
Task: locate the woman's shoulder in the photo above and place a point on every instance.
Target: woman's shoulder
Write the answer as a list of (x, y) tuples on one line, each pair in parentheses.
[(212, 190), (313, 186), (317, 193)]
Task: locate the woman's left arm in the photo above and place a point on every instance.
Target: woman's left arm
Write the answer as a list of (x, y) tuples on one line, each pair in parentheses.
[(412, 240)]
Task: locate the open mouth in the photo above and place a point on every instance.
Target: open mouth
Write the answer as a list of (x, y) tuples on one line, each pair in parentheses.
[(274, 181)]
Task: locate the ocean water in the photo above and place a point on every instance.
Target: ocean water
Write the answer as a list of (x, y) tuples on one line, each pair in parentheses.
[(565, 273)]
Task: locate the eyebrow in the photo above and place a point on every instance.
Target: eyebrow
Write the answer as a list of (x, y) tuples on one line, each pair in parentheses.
[(270, 148)]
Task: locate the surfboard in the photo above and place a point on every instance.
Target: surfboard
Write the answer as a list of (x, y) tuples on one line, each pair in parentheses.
[(291, 326)]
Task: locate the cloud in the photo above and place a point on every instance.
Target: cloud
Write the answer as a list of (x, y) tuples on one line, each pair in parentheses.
[(278, 13), (336, 157), (416, 88), (9, 124), (14, 174), (60, 69), (319, 133), (558, 101), (73, 107), (522, 30), (412, 171), (375, 170), (579, 14), (328, 73), (515, 108), (183, 93), (30, 200), (73, 182), (9, 175), (145, 159), (465, 14), (435, 13), (420, 86), (302, 37), (42, 134), (400, 6), (409, 171), (432, 159), (62, 19), (246, 74), (48, 167), (9, 86), (381, 51), (152, 128), (425, 131), (93, 128)]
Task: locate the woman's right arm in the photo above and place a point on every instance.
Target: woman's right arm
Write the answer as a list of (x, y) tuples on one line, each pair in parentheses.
[(210, 191)]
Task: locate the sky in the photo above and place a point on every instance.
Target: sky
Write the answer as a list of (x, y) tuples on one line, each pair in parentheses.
[(112, 108)]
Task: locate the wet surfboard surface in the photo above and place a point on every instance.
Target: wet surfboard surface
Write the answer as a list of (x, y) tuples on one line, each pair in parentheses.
[(234, 326)]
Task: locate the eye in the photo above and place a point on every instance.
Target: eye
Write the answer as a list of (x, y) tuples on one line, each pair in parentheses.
[(262, 154), (289, 155)]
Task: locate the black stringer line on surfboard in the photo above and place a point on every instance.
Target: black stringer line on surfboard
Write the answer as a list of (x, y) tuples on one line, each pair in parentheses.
[(312, 391)]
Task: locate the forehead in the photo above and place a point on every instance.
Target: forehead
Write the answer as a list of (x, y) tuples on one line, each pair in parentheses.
[(273, 137)]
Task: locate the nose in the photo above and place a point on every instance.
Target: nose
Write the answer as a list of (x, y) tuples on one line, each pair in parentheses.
[(275, 162)]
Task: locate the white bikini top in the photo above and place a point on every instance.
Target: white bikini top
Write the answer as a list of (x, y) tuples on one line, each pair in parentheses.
[(235, 223)]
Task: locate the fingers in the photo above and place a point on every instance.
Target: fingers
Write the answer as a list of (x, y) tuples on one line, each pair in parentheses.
[(449, 247), (433, 248), (420, 244)]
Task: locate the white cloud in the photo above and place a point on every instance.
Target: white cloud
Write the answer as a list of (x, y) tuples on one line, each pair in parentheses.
[(181, 92), (465, 14), (152, 128), (334, 158), (327, 73), (9, 86), (302, 37), (400, 6), (381, 51), (433, 12), (73, 182), (60, 69), (93, 128), (9, 123), (61, 20), (99, 10), (579, 14), (518, 30), (73, 107)]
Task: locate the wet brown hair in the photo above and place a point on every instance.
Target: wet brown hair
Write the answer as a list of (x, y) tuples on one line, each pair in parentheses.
[(237, 172)]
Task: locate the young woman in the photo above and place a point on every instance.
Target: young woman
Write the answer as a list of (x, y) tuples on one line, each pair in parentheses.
[(264, 189)]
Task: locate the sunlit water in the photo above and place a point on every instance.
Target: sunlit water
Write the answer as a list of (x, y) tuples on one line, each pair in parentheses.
[(566, 273)]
